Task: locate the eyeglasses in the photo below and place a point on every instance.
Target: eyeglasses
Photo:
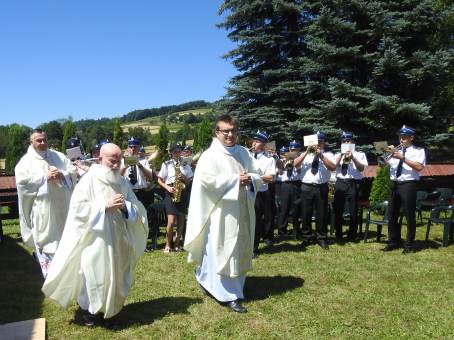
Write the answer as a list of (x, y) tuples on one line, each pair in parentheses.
[(227, 131)]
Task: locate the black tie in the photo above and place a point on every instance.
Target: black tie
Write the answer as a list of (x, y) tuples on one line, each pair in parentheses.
[(399, 166), (344, 169), (255, 156), (133, 175), (314, 167)]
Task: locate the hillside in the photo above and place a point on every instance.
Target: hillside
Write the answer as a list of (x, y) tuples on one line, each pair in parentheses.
[(174, 120)]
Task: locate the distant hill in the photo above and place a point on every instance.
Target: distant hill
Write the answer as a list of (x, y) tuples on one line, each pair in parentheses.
[(164, 110)]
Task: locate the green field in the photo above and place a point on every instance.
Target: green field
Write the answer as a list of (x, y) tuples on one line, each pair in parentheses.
[(351, 291), (153, 123)]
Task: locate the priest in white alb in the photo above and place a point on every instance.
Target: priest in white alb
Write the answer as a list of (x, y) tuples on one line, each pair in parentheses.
[(105, 234), (45, 180), (221, 219)]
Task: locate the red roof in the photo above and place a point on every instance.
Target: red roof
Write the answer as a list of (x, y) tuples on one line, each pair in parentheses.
[(430, 170), (7, 183)]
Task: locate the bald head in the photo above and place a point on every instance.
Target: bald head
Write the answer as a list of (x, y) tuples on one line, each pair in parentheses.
[(110, 156)]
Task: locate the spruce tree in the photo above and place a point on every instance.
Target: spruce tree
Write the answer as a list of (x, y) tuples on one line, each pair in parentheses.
[(68, 131), (381, 186), (118, 134), (204, 135), (18, 141), (362, 66), (162, 142)]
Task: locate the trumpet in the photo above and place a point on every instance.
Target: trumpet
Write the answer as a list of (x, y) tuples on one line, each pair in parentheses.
[(346, 159), (390, 150), (311, 148)]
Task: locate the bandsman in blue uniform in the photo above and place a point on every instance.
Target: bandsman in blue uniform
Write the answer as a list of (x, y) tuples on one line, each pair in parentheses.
[(405, 164)]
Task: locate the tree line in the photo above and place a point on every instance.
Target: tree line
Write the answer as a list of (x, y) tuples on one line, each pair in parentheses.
[(14, 138)]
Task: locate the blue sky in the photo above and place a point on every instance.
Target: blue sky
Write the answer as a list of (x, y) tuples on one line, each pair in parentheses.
[(104, 58)]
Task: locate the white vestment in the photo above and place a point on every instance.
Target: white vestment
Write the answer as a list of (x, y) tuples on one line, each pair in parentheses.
[(43, 204), (221, 219), (99, 249)]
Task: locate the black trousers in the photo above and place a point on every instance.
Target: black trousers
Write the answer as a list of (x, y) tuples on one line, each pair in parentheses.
[(346, 192), (263, 217), (314, 197), (290, 205), (403, 195)]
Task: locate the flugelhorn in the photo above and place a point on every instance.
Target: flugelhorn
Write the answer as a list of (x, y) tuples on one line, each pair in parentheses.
[(390, 150)]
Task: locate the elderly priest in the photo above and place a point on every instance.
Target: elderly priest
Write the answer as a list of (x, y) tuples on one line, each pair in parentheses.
[(221, 220), (105, 234), (45, 179)]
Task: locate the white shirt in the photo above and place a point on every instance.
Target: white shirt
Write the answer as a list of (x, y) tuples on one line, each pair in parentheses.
[(268, 166), (284, 176), (323, 174), (167, 172), (352, 171), (408, 173), (142, 181)]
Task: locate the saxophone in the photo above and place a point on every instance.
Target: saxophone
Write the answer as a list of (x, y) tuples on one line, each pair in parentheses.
[(178, 184)]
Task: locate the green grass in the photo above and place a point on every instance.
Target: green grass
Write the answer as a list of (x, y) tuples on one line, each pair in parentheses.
[(351, 291)]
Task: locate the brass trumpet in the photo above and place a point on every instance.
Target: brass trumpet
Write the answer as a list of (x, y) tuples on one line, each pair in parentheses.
[(311, 148), (390, 150), (346, 160)]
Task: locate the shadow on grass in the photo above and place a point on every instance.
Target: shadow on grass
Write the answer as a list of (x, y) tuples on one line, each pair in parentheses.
[(261, 287), (20, 284), (281, 247), (146, 312), (429, 244)]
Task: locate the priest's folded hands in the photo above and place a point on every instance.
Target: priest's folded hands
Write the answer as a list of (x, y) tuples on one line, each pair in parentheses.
[(245, 179), (117, 201)]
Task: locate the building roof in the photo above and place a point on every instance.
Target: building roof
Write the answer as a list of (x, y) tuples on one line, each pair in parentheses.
[(430, 170), (7, 183)]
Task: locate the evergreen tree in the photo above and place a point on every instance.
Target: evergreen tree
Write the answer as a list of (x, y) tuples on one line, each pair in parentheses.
[(162, 142), (69, 131), (18, 141), (204, 135), (362, 66), (381, 186), (118, 134)]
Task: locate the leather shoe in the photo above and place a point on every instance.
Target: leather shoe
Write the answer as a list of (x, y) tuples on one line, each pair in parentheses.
[(323, 244), (390, 247), (236, 306)]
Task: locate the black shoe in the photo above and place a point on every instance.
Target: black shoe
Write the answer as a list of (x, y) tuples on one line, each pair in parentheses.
[(408, 250), (236, 306), (148, 249), (90, 320), (304, 244), (255, 254), (323, 244), (390, 247), (268, 241)]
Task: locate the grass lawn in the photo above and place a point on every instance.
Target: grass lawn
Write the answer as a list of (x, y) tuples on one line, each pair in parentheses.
[(351, 291)]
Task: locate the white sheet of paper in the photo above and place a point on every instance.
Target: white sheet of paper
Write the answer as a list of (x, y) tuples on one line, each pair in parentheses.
[(347, 147), (310, 140), (74, 153)]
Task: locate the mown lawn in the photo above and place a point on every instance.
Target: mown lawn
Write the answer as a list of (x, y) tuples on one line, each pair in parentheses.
[(351, 291)]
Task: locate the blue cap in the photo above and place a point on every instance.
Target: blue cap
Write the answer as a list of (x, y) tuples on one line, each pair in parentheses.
[(187, 148), (407, 131), (174, 146), (347, 135), (261, 136), (133, 142), (73, 142), (98, 145), (294, 144), (142, 149), (283, 149), (321, 135)]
